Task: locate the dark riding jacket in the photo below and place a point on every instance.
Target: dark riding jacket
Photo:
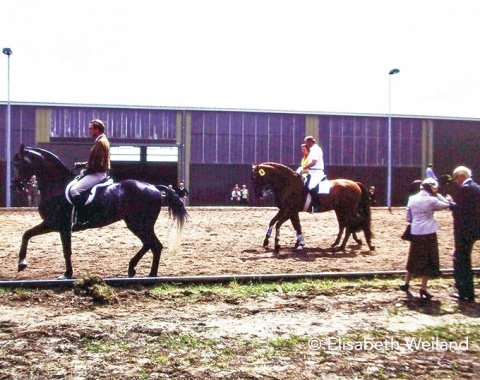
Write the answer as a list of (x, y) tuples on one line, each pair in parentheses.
[(99, 156)]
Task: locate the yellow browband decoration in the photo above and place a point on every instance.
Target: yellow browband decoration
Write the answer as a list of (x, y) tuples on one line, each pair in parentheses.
[(261, 172)]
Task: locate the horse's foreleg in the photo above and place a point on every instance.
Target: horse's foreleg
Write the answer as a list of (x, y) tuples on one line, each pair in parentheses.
[(270, 227), (66, 237), (278, 225), (39, 229), (267, 236)]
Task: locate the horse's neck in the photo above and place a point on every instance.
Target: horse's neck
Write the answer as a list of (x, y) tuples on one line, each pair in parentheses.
[(282, 181), (51, 176)]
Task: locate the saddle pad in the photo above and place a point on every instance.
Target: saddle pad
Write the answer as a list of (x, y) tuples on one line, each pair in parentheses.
[(324, 187)]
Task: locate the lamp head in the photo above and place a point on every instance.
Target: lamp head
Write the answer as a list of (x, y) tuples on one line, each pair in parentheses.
[(393, 71), (7, 51)]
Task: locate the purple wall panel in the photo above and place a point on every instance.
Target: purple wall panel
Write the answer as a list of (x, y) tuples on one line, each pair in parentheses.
[(223, 127), (236, 138), (209, 137), (249, 155), (275, 144), (262, 134)]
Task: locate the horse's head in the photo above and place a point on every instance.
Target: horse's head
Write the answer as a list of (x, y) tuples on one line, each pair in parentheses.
[(36, 161), (23, 167), (272, 176), (259, 179)]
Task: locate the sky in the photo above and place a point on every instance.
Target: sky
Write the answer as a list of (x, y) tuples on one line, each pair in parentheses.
[(307, 56)]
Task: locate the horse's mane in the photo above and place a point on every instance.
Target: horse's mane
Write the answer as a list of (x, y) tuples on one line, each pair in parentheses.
[(285, 170), (50, 158)]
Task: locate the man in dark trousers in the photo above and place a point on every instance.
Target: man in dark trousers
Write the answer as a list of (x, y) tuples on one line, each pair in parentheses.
[(466, 229)]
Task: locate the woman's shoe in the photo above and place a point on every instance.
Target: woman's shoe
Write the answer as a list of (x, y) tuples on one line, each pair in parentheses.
[(425, 294), (404, 287)]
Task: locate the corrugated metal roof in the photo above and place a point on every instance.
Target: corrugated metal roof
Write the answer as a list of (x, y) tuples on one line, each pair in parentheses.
[(206, 109)]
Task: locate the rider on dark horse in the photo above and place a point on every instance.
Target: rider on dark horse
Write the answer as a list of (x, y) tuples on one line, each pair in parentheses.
[(95, 171), (315, 168)]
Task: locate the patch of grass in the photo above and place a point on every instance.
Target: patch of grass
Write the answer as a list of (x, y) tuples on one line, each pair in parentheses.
[(285, 344), (235, 290), (188, 341), (450, 332), (99, 347), (22, 290), (105, 347)]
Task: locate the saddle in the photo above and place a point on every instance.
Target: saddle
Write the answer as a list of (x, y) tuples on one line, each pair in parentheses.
[(90, 194), (323, 187)]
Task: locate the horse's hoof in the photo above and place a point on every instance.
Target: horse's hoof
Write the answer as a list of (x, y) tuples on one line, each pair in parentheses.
[(132, 273), (64, 277), (22, 265), (265, 243), (372, 248), (152, 275), (298, 248)]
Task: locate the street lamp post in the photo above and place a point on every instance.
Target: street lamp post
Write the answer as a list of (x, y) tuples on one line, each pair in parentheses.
[(389, 170), (8, 130)]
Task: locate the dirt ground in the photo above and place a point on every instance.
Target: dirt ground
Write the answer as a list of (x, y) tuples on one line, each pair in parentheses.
[(201, 333), (217, 241)]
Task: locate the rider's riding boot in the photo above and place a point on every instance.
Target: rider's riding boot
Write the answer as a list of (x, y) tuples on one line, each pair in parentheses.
[(77, 223), (315, 206)]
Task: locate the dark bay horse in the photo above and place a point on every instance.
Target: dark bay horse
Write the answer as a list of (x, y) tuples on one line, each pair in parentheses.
[(137, 203), (349, 200)]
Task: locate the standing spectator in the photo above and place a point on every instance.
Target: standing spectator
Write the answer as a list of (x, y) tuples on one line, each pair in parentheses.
[(423, 257), (373, 196), (236, 195), (32, 191), (466, 230), (244, 196), (182, 192), (429, 173)]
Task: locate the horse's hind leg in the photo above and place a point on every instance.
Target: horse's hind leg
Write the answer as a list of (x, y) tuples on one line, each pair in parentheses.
[(150, 241), (341, 228), (135, 259), (357, 240), (348, 232), (368, 237)]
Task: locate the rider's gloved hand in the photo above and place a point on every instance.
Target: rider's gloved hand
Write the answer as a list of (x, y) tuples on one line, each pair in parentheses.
[(299, 170)]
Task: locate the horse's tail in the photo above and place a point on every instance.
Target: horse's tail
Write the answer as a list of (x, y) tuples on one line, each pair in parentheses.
[(364, 210), (179, 214)]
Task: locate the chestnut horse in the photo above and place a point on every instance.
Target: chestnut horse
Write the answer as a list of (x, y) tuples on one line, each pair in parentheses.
[(349, 200)]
